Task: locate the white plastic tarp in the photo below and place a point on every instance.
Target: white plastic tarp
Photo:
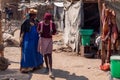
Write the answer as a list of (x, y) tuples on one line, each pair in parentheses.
[(73, 23), (58, 4)]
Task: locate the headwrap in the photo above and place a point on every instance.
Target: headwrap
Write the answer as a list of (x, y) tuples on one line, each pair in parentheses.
[(32, 11), (47, 16)]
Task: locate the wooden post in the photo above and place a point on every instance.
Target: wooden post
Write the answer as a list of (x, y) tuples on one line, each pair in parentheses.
[(1, 39), (103, 55)]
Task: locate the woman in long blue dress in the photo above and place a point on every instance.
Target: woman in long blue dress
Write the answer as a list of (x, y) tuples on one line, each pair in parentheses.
[(30, 57)]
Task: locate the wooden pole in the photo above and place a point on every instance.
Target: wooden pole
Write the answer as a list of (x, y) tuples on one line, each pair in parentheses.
[(1, 39), (103, 55)]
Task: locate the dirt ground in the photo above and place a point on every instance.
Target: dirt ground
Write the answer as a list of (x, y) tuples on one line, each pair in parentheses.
[(66, 66)]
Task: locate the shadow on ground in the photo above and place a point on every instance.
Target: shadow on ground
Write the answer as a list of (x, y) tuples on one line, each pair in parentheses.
[(63, 74), (14, 62), (15, 74)]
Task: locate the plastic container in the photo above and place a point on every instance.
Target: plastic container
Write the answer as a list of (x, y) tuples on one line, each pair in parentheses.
[(115, 66), (86, 33)]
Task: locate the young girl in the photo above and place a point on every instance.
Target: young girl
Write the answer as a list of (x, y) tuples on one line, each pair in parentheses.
[(46, 29)]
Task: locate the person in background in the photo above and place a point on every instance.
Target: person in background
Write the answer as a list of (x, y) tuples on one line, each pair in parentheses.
[(30, 58), (26, 14), (10, 13), (98, 43), (6, 13), (46, 29)]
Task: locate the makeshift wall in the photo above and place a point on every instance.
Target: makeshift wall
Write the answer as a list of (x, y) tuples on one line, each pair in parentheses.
[(73, 23), (115, 5), (10, 4), (42, 9)]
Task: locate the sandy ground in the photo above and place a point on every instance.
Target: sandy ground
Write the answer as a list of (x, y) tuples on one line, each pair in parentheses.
[(66, 66)]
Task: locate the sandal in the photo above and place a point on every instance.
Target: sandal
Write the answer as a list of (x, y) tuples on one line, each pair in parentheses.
[(51, 75), (26, 70)]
